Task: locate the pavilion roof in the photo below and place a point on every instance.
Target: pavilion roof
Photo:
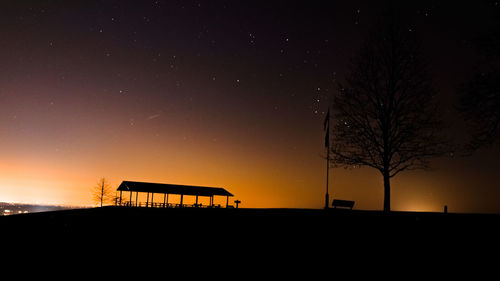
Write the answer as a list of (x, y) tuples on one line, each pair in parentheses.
[(172, 189)]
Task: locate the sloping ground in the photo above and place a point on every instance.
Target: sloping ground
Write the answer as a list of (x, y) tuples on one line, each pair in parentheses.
[(257, 244), (146, 222), (227, 235)]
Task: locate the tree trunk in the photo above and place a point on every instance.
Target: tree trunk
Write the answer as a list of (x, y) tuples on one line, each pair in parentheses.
[(387, 192), (102, 192)]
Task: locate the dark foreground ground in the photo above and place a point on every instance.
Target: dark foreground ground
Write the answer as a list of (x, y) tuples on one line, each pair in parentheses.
[(220, 225), (256, 237)]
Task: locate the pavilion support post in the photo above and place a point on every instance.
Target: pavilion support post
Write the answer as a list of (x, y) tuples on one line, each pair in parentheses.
[(227, 201), (120, 197), (152, 202), (182, 198), (130, 199), (196, 201), (167, 199), (136, 197), (147, 200), (164, 199)]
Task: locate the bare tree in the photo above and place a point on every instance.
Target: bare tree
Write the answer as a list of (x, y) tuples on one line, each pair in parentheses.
[(385, 116), (103, 192), (480, 106), (480, 97)]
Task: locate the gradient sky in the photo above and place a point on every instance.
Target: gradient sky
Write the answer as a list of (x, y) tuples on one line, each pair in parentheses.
[(215, 93)]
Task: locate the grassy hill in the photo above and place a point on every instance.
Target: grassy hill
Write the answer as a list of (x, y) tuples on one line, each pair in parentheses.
[(270, 233), (116, 220)]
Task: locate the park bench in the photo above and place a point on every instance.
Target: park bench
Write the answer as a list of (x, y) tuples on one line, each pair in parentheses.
[(342, 204)]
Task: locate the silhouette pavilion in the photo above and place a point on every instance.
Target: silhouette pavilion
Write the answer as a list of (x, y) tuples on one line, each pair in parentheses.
[(166, 189)]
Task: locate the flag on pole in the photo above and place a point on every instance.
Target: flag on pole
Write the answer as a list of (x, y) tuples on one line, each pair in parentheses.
[(326, 127)]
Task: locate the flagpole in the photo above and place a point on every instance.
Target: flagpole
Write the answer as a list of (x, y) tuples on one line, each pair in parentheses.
[(327, 196), (326, 126)]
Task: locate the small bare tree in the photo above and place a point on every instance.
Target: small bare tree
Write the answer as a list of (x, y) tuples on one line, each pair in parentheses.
[(102, 191), (385, 116)]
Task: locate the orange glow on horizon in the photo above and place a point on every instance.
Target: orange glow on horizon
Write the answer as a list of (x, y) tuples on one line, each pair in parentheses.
[(261, 172), (259, 182)]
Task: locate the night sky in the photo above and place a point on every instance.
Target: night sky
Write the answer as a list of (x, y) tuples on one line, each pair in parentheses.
[(217, 93)]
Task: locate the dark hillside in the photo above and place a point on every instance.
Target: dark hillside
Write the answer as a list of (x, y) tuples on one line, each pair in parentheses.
[(184, 224)]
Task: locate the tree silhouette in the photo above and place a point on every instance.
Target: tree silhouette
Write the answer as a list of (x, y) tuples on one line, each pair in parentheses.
[(102, 192), (385, 116), (480, 97), (480, 106)]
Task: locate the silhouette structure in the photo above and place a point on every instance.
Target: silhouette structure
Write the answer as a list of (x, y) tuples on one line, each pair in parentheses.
[(337, 203), (385, 115), (165, 190)]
